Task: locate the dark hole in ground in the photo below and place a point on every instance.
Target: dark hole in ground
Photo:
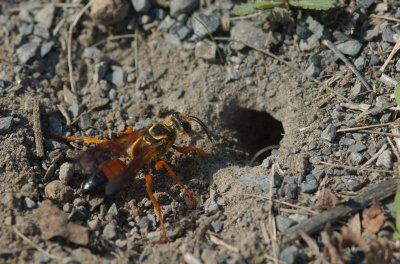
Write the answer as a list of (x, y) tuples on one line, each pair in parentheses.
[(253, 130)]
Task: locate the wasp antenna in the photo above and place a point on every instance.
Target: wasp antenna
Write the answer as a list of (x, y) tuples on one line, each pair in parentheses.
[(203, 126)]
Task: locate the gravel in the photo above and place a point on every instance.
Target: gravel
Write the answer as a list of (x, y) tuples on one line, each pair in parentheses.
[(385, 159), (45, 15), (283, 223), (206, 50), (141, 5), (187, 76), (204, 24), (27, 52), (5, 124), (289, 255), (110, 231), (351, 47), (66, 171), (249, 32), (329, 133), (57, 190), (178, 7)]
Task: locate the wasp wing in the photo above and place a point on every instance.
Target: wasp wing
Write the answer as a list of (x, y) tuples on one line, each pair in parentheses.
[(123, 178), (91, 159)]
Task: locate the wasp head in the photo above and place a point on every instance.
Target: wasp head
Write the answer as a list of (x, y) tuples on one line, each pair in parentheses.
[(182, 123)]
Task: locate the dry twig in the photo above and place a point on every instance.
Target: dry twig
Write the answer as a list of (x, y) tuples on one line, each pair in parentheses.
[(64, 114), (69, 46), (365, 127), (112, 38), (357, 168), (333, 48), (37, 128), (386, 17), (312, 225), (375, 156), (272, 220), (222, 243), (375, 110), (30, 242), (392, 53)]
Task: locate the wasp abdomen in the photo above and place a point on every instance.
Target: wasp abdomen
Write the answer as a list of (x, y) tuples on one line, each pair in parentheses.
[(107, 171)]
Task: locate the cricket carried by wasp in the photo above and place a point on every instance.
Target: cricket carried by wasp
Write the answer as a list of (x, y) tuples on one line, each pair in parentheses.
[(143, 149)]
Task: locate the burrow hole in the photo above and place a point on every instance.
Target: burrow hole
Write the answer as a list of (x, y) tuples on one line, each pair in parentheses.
[(254, 130)]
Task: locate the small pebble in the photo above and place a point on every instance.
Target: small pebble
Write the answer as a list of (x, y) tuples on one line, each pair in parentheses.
[(345, 141), (205, 24), (313, 70), (112, 212), (177, 7), (310, 185), (94, 224), (27, 52), (45, 16), (385, 159), (66, 171), (357, 89), (110, 231), (206, 50), (350, 47), (388, 35), (41, 32), (29, 203), (289, 255), (141, 5), (144, 223), (217, 226), (283, 223), (121, 243), (329, 133), (45, 48), (249, 32), (290, 191), (57, 190), (5, 124), (117, 76), (352, 183), (365, 3)]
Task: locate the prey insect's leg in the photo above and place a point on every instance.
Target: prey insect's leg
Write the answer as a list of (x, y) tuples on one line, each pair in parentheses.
[(192, 202), (188, 149), (157, 208)]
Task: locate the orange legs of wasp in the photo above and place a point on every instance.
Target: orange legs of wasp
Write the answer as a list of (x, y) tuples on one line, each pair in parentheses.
[(187, 150), (192, 201), (87, 140), (157, 208)]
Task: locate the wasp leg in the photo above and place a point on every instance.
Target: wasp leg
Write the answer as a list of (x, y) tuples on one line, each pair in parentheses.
[(87, 140), (157, 208), (192, 201), (188, 149), (128, 130)]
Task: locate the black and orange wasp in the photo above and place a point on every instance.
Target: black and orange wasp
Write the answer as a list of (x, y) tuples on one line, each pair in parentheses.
[(143, 149)]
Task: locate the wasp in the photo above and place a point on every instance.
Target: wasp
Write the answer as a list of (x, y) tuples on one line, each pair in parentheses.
[(143, 148)]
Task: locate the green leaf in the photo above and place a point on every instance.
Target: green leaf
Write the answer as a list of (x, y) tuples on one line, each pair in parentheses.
[(313, 4), (397, 93), (242, 10), (396, 210), (245, 9)]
